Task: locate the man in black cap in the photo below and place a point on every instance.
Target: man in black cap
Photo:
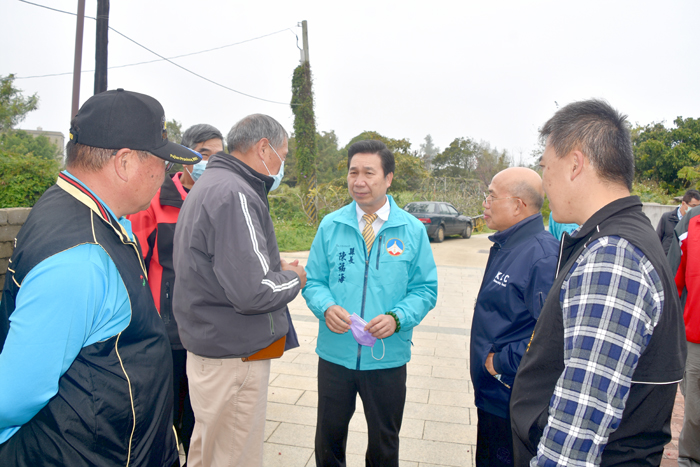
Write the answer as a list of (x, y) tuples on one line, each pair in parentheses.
[(85, 365)]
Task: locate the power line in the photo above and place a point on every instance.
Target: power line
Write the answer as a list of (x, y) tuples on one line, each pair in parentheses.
[(162, 58)]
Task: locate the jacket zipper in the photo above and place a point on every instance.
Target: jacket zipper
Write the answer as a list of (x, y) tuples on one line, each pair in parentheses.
[(379, 250), (272, 324), (364, 296), (165, 313)]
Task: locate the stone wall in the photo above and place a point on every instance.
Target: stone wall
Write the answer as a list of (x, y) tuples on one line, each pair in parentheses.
[(11, 219)]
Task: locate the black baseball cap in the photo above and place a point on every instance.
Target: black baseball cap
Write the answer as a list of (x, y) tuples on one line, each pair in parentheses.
[(124, 119)]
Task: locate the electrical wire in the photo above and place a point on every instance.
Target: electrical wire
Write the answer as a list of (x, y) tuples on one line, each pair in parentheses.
[(162, 58)]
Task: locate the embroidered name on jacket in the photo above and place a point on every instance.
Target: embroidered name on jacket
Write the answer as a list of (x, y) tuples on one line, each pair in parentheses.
[(343, 257), (501, 279)]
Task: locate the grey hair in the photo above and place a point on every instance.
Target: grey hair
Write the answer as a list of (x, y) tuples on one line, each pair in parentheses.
[(253, 128), (597, 130), (528, 194), (200, 133)]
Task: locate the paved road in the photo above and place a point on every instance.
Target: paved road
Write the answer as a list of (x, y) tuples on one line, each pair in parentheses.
[(439, 426)]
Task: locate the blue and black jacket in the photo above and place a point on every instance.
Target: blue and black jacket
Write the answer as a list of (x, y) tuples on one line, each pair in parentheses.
[(519, 273)]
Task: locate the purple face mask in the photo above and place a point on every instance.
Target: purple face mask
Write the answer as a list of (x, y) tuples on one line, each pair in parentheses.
[(358, 331), (357, 326)]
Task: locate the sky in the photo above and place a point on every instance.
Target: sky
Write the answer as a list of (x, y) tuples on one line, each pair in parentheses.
[(492, 71)]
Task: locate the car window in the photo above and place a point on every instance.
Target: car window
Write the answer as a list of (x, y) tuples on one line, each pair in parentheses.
[(443, 209), (451, 210), (420, 207)]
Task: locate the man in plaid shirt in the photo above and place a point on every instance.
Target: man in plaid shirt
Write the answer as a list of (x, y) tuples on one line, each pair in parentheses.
[(598, 381)]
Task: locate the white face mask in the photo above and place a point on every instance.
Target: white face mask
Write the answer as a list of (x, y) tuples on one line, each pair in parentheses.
[(197, 170), (280, 174)]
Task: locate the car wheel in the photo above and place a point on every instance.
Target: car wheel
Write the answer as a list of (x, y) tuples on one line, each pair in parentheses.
[(467, 232), (440, 234)]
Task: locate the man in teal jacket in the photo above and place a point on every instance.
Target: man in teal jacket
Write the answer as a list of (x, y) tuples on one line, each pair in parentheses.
[(370, 271)]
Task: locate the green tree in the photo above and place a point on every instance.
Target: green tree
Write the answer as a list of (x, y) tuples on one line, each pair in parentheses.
[(489, 162), (14, 107), (21, 142), (330, 163), (409, 172), (458, 160), (669, 156), (428, 151), (174, 129)]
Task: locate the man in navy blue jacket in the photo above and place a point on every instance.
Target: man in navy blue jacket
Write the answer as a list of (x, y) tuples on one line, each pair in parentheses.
[(519, 273)]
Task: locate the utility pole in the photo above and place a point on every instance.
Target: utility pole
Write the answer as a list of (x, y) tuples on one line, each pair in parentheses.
[(101, 40), (77, 60), (305, 41)]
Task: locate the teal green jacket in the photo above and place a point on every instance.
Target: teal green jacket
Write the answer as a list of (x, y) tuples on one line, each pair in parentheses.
[(398, 275)]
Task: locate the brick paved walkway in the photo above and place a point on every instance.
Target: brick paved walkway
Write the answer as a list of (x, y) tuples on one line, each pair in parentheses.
[(670, 458)]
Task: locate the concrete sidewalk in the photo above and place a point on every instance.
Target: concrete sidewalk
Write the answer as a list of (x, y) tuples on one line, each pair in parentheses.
[(439, 425)]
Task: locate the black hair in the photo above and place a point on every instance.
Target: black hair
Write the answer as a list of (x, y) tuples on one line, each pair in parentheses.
[(597, 130), (372, 146), (691, 194)]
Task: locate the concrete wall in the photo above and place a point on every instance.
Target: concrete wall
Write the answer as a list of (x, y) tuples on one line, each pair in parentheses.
[(655, 210), (11, 219)]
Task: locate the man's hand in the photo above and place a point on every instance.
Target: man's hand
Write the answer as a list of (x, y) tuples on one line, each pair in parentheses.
[(489, 364), (294, 266), (337, 319), (381, 326)]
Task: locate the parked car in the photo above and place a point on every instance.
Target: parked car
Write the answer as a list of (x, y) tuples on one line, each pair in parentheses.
[(441, 219)]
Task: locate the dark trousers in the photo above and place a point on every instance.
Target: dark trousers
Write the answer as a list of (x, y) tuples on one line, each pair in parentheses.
[(383, 394), (183, 416), (494, 441)]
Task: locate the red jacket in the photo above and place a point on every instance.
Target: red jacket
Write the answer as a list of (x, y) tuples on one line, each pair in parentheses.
[(688, 275), (155, 229)]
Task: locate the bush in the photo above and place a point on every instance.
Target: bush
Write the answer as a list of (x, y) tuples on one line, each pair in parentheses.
[(294, 236), (293, 230), (24, 178), (651, 192)]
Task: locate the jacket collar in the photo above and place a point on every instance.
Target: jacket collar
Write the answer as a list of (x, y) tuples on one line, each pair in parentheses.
[(74, 187), (571, 244), (228, 162), (348, 215), (515, 234), (172, 193), (609, 210)]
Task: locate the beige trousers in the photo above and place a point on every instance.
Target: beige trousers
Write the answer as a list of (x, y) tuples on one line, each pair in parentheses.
[(229, 400)]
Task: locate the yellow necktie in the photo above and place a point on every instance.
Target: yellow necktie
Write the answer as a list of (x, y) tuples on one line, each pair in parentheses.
[(368, 231)]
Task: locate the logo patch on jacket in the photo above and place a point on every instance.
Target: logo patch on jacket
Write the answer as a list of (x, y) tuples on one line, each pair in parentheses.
[(501, 279), (394, 247)]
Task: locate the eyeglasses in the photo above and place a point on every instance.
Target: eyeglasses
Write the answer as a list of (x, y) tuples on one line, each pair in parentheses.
[(488, 198), (168, 164)]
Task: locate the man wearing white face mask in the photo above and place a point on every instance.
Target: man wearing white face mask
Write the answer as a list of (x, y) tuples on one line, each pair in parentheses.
[(155, 228), (231, 293)]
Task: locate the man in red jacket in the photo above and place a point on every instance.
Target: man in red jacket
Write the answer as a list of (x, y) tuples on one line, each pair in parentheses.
[(155, 228), (683, 256)]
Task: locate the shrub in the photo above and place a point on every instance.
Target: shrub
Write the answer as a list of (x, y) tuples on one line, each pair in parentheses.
[(24, 178)]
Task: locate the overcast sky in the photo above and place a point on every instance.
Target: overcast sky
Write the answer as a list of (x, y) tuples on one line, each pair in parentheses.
[(487, 70)]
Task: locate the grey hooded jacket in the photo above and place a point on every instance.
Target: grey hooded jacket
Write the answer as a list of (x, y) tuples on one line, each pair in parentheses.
[(231, 295)]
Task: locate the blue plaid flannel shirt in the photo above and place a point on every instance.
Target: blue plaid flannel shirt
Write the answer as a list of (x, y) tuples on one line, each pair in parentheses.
[(611, 301)]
